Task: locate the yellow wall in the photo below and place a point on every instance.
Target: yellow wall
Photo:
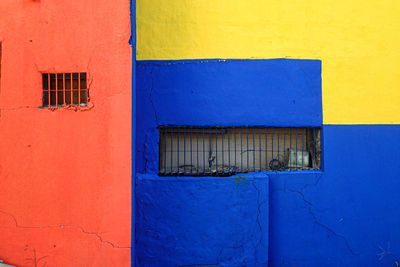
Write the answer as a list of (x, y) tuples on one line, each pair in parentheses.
[(357, 41)]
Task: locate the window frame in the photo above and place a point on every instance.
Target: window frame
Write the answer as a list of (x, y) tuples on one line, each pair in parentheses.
[(316, 161)]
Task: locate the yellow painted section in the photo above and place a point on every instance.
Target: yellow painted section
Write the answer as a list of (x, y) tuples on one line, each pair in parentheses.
[(357, 41)]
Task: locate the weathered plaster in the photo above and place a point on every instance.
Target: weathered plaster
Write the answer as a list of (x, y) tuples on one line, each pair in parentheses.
[(202, 222), (60, 167), (344, 215), (355, 40)]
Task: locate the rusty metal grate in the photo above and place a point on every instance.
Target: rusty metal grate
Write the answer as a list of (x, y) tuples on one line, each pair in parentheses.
[(222, 151), (65, 89)]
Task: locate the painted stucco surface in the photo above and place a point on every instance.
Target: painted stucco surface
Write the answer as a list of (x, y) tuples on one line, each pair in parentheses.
[(344, 215), (347, 215), (356, 41), (279, 92), (212, 222), (65, 176), (206, 220)]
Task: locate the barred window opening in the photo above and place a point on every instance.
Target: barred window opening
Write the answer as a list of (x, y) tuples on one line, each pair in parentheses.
[(64, 89), (222, 151)]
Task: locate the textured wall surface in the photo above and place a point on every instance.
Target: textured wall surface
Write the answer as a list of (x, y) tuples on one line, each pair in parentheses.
[(194, 222), (65, 177), (344, 215), (279, 92), (206, 220), (355, 40)]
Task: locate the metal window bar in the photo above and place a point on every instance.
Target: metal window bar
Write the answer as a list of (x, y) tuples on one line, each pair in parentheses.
[(254, 153), (63, 89), (284, 149), (229, 150), (259, 147), (216, 149), (191, 154), (227, 156), (247, 148)]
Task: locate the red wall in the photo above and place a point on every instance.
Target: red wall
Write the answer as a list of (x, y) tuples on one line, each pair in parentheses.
[(65, 175)]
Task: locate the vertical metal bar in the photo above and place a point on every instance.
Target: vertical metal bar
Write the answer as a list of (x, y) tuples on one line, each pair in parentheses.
[(184, 150), (241, 149), (209, 147), (48, 77), (229, 149), (87, 89), (165, 150), (266, 148), (272, 140), (315, 151), (178, 146), (204, 155), (308, 144), (278, 129), (290, 150), (63, 75), (254, 153), (247, 148), (72, 95), (56, 76), (191, 153), (197, 150), (259, 144), (222, 151), (234, 128), (79, 88), (302, 148), (216, 149), (172, 148), (296, 147), (284, 150)]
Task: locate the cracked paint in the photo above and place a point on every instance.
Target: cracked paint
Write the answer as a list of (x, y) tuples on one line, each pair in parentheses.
[(234, 229), (181, 223), (63, 226), (327, 228), (150, 96)]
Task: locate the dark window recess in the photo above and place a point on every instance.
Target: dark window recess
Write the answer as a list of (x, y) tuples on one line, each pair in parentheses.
[(223, 151), (63, 89)]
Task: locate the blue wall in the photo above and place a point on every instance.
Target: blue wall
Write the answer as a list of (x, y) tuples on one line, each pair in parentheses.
[(214, 222), (345, 215), (277, 92)]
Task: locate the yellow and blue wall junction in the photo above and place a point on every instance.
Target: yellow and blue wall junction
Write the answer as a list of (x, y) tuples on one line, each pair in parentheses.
[(329, 64)]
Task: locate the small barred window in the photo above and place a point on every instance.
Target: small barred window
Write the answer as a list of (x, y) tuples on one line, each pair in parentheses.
[(185, 150), (64, 89)]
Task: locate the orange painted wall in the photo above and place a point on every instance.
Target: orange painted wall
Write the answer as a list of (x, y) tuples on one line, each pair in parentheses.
[(65, 176)]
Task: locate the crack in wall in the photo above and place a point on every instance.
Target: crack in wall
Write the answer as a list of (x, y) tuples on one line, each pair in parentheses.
[(35, 260), (317, 222), (97, 235), (16, 108), (250, 238), (313, 184), (151, 95), (259, 204)]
